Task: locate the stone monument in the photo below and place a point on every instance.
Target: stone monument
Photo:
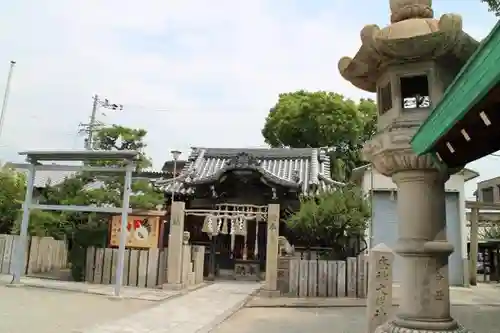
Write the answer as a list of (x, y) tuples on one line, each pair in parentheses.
[(409, 65), (379, 298)]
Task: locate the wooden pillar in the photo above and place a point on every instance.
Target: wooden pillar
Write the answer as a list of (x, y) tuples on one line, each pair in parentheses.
[(473, 245)]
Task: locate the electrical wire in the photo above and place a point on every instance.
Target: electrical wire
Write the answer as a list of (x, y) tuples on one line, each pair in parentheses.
[(223, 109)]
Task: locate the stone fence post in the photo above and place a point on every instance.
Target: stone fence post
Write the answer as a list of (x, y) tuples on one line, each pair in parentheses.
[(379, 298), (199, 262), (175, 243), (186, 259)]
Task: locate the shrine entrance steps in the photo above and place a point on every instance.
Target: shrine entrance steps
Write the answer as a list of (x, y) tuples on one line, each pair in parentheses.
[(198, 311)]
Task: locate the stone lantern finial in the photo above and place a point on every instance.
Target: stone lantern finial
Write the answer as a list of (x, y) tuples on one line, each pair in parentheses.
[(409, 9)]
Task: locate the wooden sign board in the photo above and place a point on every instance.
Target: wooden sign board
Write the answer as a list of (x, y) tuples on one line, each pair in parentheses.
[(142, 231)]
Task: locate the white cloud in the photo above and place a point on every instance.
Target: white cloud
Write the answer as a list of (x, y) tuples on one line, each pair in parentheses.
[(217, 66)]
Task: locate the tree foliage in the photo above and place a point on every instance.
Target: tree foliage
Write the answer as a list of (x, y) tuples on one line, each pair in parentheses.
[(12, 189), (322, 119), (493, 6), (332, 219), (118, 137)]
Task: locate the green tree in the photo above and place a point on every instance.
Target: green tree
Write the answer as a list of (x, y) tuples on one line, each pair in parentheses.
[(116, 137), (332, 219), (12, 189), (322, 119), (493, 6), (145, 196)]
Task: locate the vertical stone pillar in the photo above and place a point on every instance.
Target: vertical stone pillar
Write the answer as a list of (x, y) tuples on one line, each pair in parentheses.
[(199, 262), (175, 242), (379, 298), (425, 299), (186, 259), (473, 245), (273, 217)]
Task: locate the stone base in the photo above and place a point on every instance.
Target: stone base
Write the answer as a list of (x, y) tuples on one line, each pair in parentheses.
[(14, 285), (427, 327), (172, 286), (115, 298), (270, 293)]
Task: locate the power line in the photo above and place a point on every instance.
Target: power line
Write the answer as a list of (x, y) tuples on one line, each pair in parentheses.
[(222, 109)]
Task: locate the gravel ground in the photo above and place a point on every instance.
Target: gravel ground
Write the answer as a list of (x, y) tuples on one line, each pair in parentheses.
[(33, 310), (480, 319)]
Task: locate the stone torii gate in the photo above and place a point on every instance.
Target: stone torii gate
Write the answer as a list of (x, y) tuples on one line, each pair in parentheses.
[(34, 159), (475, 223), (175, 241)]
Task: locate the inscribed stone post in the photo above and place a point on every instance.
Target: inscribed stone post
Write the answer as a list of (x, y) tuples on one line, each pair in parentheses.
[(273, 217), (474, 218), (186, 259), (379, 299), (199, 260), (174, 259)]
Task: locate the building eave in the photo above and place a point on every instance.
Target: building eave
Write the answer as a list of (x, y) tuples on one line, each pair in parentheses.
[(479, 74)]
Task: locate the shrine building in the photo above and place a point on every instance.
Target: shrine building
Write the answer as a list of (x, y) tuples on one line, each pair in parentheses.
[(228, 183)]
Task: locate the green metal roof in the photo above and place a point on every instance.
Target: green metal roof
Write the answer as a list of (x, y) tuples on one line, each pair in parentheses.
[(477, 77)]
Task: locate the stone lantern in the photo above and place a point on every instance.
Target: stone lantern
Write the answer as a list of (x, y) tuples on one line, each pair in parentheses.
[(409, 64)]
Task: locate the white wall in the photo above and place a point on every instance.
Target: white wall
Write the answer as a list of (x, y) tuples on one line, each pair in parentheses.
[(379, 182)]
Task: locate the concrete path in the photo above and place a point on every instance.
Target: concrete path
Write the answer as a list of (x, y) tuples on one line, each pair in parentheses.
[(479, 319), (198, 311), (41, 310), (147, 294)]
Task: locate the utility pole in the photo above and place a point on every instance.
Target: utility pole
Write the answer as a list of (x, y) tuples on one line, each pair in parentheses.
[(6, 96), (90, 128)]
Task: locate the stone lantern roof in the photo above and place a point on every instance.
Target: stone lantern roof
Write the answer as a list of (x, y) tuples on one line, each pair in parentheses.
[(413, 35)]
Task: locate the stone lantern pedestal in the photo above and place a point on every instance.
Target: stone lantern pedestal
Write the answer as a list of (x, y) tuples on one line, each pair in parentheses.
[(425, 298), (409, 64)]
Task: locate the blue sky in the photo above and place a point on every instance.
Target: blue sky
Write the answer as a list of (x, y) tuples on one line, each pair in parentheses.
[(192, 72)]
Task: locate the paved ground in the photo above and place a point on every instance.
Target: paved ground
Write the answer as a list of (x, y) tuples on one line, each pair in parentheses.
[(97, 289), (43, 310), (197, 311), (480, 319), (476, 308), (24, 310)]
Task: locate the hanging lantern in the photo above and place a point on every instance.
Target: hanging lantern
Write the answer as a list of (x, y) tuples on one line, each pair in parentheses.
[(240, 226), (208, 225)]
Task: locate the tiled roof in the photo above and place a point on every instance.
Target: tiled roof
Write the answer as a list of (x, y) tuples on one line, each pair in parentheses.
[(294, 167)]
